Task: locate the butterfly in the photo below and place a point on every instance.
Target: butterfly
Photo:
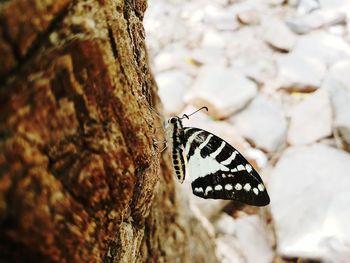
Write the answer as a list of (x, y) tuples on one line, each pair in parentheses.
[(216, 169)]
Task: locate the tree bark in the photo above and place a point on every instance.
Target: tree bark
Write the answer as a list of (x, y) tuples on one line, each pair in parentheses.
[(81, 179)]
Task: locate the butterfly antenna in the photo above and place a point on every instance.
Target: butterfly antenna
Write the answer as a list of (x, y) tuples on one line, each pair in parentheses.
[(187, 116)]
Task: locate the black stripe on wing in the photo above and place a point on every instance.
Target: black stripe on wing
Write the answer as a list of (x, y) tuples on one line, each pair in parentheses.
[(199, 139), (228, 155), (231, 186)]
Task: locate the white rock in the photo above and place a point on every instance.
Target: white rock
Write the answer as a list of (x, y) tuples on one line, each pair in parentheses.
[(226, 24), (338, 30), (258, 156), (172, 86), (338, 76), (221, 89), (274, 2), (322, 46), (249, 17), (202, 217), (311, 119), (293, 3), (307, 6), (300, 72), (184, 199), (305, 66), (167, 31), (262, 70), (310, 200), (337, 82), (174, 57), (263, 123), (199, 229), (246, 53), (209, 56), (225, 225), (333, 4), (220, 18), (278, 35), (317, 19), (213, 39), (252, 237), (228, 250), (209, 210)]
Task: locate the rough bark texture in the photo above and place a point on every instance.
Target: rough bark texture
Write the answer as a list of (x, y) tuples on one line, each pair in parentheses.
[(80, 177)]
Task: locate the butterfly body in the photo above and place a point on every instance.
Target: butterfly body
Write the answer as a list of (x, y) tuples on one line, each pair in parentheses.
[(175, 138), (216, 169)]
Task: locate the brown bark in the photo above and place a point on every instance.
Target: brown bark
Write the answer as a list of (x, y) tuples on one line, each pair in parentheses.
[(78, 164)]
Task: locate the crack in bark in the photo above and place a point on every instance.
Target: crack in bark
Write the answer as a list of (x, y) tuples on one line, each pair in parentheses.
[(39, 41), (129, 6), (112, 42), (8, 40)]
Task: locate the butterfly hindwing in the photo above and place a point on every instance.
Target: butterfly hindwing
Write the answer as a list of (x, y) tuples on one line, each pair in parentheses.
[(219, 171), (230, 186)]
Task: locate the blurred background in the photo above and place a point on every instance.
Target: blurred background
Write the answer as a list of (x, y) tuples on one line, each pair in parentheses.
[(275, 76)]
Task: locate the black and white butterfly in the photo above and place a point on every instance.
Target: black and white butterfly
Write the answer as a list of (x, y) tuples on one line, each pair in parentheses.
[(217, 170)]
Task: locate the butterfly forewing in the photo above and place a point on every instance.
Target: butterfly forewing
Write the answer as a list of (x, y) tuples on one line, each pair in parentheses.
[(219, 171)]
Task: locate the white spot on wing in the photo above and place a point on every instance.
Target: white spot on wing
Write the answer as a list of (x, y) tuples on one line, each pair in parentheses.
[(247, 187), (208, 189), (218, 150), (240, 167), (256, 191), (228, 187), (238, 187), (234, 170), (261, 187), (249, 168), (198, 189), (218, 187)]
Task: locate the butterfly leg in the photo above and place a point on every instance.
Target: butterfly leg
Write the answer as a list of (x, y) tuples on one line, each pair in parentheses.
[(156, 143)]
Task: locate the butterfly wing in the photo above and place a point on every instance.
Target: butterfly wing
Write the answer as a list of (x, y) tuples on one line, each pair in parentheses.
[(219, 171)]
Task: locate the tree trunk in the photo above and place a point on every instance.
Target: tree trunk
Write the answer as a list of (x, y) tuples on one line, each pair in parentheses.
[(80, 177)]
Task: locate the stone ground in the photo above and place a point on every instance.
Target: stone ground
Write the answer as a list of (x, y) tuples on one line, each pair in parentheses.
[(275, 75)]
